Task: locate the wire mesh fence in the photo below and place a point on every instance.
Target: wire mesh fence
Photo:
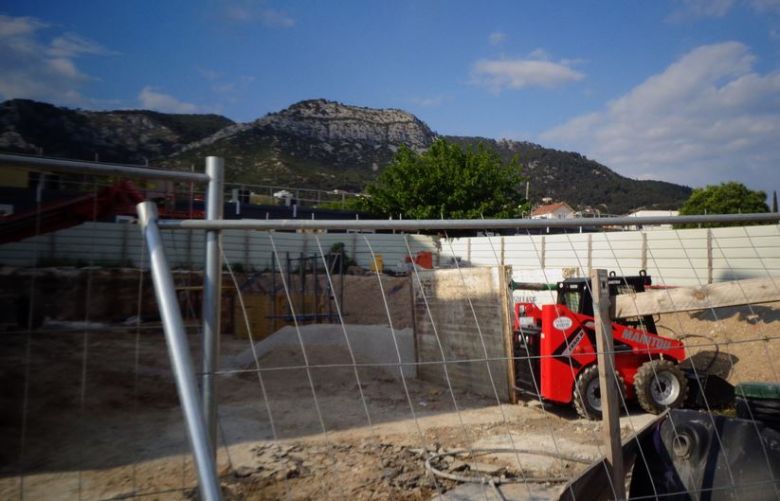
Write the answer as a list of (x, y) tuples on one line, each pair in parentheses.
[(339, 381)]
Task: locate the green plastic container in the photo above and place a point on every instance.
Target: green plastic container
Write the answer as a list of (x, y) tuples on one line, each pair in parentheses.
[(764, 391), (759, 402)]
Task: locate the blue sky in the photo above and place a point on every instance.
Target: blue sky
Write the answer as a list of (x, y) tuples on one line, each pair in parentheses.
[(686, 91)]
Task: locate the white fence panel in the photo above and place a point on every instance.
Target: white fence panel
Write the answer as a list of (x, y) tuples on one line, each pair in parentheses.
[(687, 257), (113, 244)]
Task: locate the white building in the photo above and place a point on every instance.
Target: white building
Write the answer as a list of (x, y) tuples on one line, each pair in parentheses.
[(652, 213), (560, 210)]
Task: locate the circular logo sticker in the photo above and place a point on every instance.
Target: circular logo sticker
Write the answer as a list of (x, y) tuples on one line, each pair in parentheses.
[(562, 323)]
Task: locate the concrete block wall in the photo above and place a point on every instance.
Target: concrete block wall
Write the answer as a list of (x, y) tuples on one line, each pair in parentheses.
[(448, 330)]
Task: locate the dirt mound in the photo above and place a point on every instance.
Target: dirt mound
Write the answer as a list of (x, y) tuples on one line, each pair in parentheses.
[(740, 343), (363, 299), (330, 344)]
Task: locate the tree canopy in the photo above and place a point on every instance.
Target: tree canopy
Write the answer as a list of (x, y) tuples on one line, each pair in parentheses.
[(725, 198), (448, 181)]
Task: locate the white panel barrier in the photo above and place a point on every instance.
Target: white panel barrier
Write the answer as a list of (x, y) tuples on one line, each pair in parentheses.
[(672, 257)]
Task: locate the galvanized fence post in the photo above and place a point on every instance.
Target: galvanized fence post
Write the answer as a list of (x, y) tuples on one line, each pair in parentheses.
[(178, 349), (212, 294)]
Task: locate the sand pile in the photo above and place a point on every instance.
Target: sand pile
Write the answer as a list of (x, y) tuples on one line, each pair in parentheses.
[(326, 344), (740, 343)]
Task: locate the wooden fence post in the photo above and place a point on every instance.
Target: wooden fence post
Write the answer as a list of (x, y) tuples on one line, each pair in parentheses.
[(590, 253), (247, 245), (709, 256), (52, 247), (123, 248), (610, 406), (354, 247), (190, 260)]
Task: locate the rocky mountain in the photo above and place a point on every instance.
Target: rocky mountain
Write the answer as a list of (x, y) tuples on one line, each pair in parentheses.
[(129, 136), (313, 144)]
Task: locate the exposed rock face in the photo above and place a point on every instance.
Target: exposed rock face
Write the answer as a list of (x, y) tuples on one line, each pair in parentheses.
[(329, 121), (313, 143)]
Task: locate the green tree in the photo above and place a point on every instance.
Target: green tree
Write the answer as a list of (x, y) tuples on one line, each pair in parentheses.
[(725, 198), (448, 181)]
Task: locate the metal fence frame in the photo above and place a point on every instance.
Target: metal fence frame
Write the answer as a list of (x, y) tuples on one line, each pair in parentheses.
[(200, 412), (407, 225)]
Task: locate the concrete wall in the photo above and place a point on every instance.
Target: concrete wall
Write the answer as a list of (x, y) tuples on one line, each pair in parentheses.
[(445, 324)]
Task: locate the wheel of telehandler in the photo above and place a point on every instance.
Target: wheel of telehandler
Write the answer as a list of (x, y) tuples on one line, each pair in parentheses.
[(587, 393), (660, 385)]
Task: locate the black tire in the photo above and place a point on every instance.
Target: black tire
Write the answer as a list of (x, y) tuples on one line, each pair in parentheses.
[(587, 393), (660, 385), (766, 411)]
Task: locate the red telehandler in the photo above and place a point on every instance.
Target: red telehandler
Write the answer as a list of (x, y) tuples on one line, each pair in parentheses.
[(555, 353)]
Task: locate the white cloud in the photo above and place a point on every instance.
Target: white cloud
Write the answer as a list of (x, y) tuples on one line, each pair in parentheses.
[(249, 11), (224, 88), (35, 67), (708, 117), (19, 26), (65, 67), (227, 89), (72, 45), (497, 38), (692, 9), (151, 99), (500, 74), (701, 8), (539, 54), (208, 74), (429, 101), (273, 17), (765, 5)]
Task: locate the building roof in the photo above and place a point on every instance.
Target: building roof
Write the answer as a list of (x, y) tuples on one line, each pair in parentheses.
[(550, 208)]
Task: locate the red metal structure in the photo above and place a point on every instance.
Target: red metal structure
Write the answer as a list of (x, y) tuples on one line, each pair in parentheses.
[(117, 199)]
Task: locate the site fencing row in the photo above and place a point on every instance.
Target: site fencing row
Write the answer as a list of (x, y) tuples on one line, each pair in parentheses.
[(121, 244), (686, 257), (101, 386)]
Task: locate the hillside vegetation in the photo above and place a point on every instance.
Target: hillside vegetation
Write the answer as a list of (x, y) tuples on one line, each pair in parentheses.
[(312, 144)]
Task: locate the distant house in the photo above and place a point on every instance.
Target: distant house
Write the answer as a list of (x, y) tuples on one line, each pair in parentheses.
[(560, 210), (652, 213)]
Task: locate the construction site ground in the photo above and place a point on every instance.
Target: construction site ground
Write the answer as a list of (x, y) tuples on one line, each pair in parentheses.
[(121, 433), (92, 412)]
